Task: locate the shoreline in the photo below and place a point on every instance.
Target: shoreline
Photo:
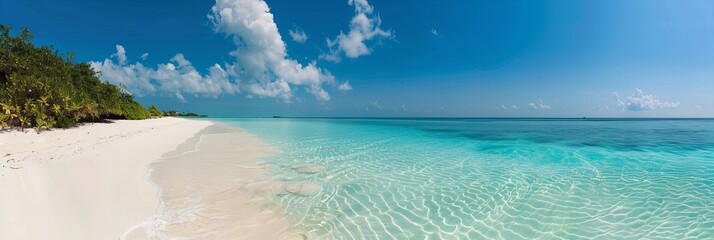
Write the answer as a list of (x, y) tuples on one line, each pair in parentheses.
[(214, 186), (86, 182)]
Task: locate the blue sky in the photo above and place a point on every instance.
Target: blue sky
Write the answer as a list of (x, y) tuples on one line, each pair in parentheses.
[(393, 58)]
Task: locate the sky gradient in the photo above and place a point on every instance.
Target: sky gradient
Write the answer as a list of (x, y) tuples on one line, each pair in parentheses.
[(391, 58)]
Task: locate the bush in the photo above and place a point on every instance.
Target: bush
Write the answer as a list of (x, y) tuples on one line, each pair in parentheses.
[(39, 88), (155, 111), (134, 111)]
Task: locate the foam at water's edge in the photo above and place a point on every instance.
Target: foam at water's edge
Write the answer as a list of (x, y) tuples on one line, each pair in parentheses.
[(146, 229)]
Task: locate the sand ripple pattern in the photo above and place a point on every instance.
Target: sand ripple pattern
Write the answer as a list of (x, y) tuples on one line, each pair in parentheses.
[(379, 182)]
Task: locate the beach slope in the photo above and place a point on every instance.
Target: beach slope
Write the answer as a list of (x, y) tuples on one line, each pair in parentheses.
[(86, 182)]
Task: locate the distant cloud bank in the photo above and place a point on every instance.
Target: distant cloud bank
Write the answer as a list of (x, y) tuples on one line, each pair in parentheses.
[(539, 105), (639, 101)]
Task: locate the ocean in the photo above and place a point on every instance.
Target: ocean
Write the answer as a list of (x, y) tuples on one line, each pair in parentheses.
[(493, 178)]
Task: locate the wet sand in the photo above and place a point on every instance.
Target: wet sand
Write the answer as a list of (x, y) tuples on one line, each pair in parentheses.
[(214, 187)]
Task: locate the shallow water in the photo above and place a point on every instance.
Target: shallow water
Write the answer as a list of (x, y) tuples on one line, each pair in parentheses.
[(212, 187), (494, 178)]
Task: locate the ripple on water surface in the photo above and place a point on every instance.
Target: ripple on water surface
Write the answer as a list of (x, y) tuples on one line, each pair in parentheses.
[(405, 180)]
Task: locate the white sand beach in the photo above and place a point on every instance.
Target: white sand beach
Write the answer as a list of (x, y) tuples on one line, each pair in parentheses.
[(168, 178), (86, 182)]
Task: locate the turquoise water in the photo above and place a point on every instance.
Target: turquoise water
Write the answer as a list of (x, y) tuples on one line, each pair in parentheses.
[(496, 178)]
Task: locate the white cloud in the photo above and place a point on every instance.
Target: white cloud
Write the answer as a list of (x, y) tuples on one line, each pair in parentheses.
[(639, 101), (134, 77), (261, 67), (619, 101), (171, 79), (180, 97), (511, 107), (364, 26), (539, 105), (120, 54), (376, 104), (144, 56), (298, 35), (261, 57), (345, 86), (434, 32)]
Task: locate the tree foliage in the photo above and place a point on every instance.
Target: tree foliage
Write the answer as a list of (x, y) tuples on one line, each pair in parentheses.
[(155, 112), (41, 89), (174, 113)]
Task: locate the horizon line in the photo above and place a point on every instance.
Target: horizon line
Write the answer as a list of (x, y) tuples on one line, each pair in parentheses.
[(515, 118)]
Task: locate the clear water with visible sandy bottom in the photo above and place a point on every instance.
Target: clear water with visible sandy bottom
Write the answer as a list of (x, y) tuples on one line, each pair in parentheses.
[(494, 178)]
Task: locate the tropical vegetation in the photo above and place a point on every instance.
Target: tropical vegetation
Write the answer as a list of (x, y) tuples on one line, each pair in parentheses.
[(174, 113), (41, 88), (155, 112)]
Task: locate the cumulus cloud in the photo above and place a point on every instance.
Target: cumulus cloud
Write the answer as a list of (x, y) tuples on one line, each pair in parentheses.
[(120, 54), (261, 66), (639, 101), (434, 32), (539, 105), (298, 35), (171, 79), (144, 56), (345, 86), (261, 57), (364, 26)]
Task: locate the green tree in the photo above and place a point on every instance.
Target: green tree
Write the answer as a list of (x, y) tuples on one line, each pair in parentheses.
[(41, 89), (155, 111)]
